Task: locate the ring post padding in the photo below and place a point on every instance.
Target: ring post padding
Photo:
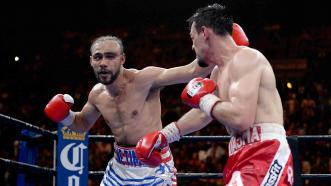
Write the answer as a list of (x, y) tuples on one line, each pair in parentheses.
[(71, 157)]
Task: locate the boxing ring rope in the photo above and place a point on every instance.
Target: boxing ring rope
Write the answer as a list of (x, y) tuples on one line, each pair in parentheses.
[(178, 175), (13, 122), (110, 138), (10, 121), (20, 166)]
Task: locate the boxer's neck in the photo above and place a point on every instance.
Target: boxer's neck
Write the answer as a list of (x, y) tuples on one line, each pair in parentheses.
[(119, 84), (222, 49)]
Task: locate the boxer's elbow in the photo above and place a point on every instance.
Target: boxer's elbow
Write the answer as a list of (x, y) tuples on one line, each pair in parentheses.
[(242, 122), (234, 116)]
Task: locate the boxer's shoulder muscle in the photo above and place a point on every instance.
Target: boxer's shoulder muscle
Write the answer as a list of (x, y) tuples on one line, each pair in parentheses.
[(96, 90), (245, 61), (144, 77)]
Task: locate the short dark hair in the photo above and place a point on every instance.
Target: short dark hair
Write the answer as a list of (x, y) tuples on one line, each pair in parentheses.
[(106, 38), (216, 17)]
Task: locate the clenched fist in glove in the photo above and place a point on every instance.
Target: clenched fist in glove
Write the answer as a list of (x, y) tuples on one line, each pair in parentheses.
[(148, 148), (58, 109), (239, 35), (198, 93)]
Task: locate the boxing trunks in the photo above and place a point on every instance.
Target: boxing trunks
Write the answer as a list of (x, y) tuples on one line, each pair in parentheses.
[(260, 156), (125, 169)]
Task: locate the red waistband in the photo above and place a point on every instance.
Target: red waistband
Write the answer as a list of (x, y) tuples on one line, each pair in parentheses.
[(257, 133)]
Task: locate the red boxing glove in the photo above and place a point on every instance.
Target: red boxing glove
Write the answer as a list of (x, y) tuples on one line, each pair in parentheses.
[(58, 109), (154, 159), (196, 89), (148, 148), (239, 35)]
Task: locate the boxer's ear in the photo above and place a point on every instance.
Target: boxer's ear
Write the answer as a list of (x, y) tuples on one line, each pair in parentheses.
[(205, 31), (123, 58)]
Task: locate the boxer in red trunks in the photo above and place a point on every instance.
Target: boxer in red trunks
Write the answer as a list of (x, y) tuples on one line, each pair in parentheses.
[(242, 95)]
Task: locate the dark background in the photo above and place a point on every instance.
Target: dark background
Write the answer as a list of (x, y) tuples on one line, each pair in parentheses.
[(29, 25)]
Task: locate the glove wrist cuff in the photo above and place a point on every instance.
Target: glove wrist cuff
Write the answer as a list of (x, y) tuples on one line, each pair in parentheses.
[(171, 132), (67, 121), (207, 103)]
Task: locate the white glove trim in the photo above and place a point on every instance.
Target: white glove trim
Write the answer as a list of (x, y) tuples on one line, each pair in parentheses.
[(171, 132), (67, 121), (67, 98), (207, 103)]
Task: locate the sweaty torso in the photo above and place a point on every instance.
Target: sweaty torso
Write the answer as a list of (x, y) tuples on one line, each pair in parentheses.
[(269, 106), (132, 111)]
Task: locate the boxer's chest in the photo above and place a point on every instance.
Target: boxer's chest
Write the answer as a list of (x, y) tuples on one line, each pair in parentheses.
[(122, 108)]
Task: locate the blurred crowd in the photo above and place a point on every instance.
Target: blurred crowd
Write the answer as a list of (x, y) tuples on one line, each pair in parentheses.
[(63, 67)]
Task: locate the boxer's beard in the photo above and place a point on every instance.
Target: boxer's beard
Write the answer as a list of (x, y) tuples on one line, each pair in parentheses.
[(100, 75), (202, 63)]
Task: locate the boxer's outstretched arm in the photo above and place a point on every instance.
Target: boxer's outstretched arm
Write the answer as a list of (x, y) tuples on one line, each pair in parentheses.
[(182, 74), (196, 119), (192, 121)]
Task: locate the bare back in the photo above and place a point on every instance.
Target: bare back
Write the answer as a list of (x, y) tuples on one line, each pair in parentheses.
[(269, 105), (248, 83), (131, 112)]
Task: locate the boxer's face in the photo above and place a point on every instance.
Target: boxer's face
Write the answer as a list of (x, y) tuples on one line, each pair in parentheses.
[(198, 43), (107, 60)]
